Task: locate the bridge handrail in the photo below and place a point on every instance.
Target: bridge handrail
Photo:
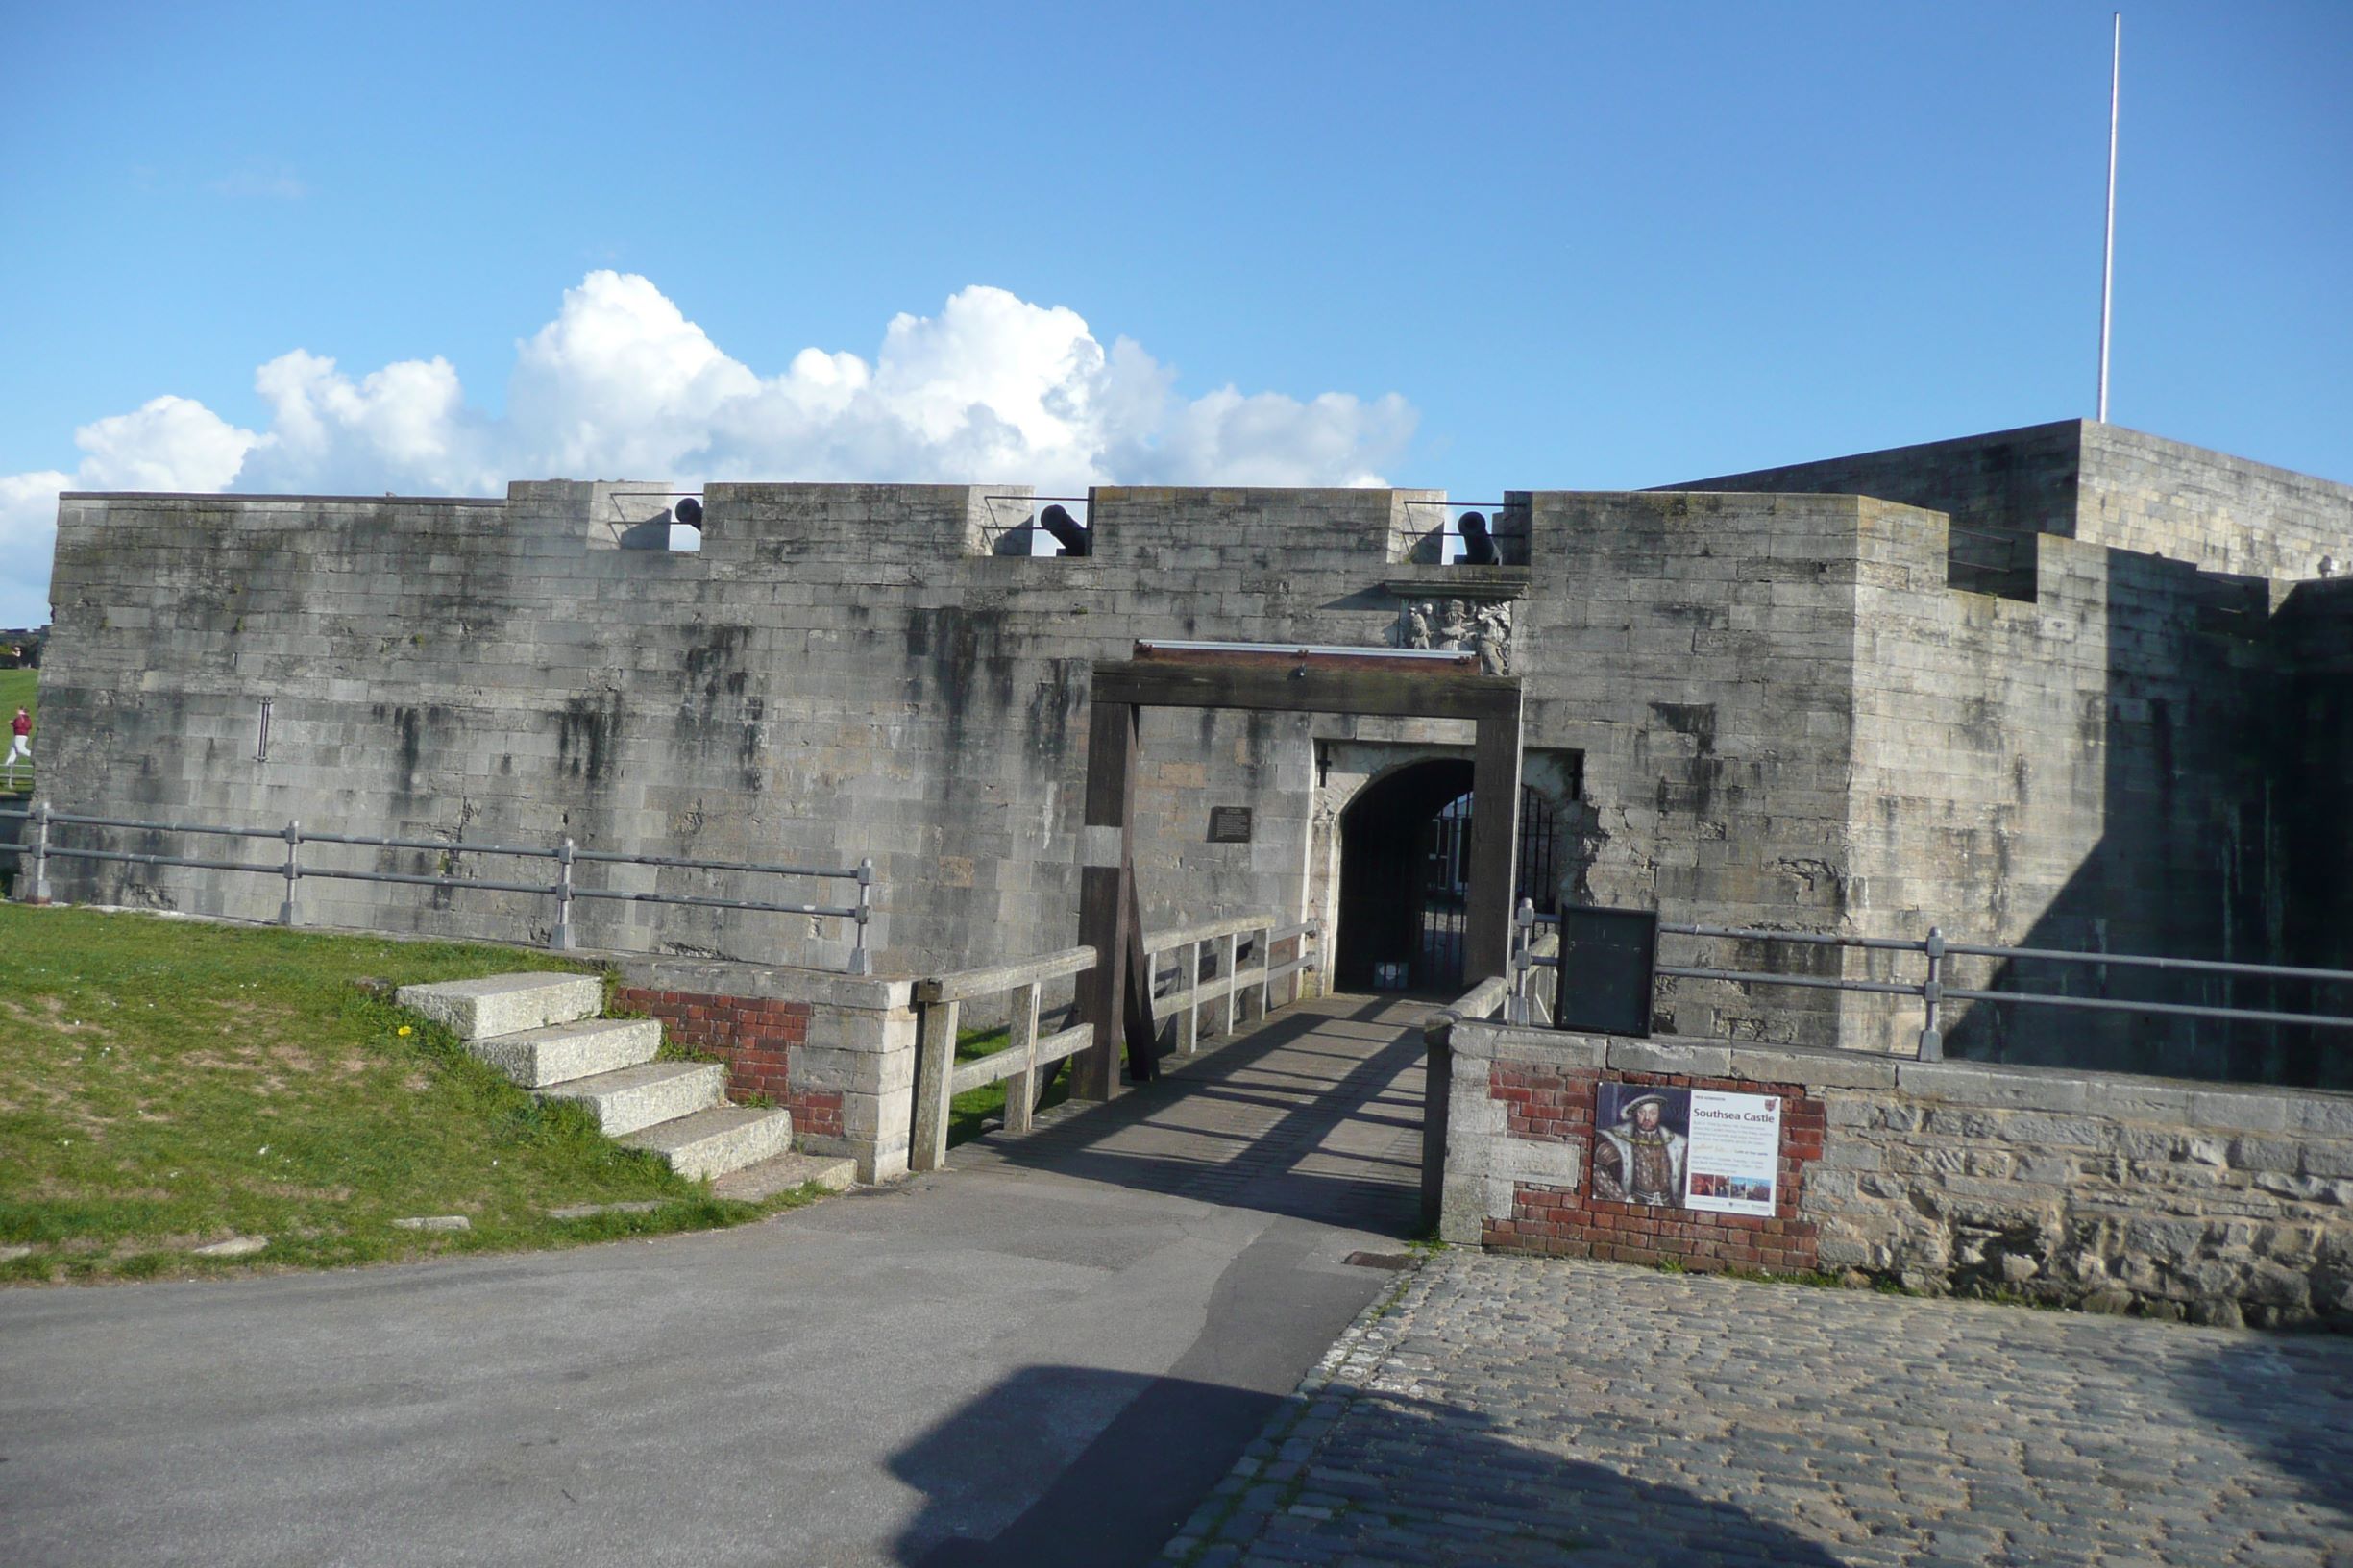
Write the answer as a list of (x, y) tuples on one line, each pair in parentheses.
[(939, 1003)]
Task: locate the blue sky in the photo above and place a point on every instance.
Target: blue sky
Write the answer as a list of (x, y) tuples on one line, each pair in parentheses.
[(1474, 247)]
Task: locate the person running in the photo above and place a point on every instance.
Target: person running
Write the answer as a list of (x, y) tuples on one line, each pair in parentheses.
[(20, 744)]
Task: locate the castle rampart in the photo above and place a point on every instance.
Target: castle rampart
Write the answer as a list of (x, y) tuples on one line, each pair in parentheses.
[(1743, 705)]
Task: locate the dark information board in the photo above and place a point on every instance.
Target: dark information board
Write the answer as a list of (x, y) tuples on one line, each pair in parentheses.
[(1228, 824), (1607, 957)]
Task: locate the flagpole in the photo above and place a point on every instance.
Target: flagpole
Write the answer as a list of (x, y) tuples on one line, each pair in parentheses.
[(2107, 271)]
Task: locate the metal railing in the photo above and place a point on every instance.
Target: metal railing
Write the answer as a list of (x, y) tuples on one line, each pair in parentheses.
[(565, 855), (1934, 990), (1530, 952), (939, 1003)]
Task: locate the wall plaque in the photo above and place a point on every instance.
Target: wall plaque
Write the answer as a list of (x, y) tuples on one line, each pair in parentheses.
[(1228, 824)]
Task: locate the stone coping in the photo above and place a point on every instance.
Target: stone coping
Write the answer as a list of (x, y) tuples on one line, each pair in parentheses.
[(258, 497), (738, 978), (2256, 1108)]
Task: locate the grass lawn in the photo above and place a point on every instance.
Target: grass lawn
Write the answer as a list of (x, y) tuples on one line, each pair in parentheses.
[(19, 688), (970, 1109), (167, 1083)]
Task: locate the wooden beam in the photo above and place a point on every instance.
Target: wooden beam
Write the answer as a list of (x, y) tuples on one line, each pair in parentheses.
[(1106, 854), (1495, 823), (1296, 687), (934, 1085)]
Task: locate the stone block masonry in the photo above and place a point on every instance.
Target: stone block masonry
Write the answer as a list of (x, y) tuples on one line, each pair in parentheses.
[(1781, 710), (2114, 1192)]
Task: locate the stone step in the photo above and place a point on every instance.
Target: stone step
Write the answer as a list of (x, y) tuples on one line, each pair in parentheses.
[(506, 1004), (834, 1172), (538, 1058), (631, 1098), (715, 1143)]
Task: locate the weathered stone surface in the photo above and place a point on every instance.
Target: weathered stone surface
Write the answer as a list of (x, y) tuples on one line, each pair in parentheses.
[(589, 1211), (1961, 1176), (1985, 702), (236, 1247), (506, 1004), (1693, 1059), (716, 1142), (433, 1222), (784, 1172), (631, 1098), (536, 1057)]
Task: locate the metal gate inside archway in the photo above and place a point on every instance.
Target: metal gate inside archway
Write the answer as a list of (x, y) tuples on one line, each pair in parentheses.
[(1404, 865), (1438, 960)]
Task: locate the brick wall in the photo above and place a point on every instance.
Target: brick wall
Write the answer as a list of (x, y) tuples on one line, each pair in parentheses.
[(1554, 1104), (756, 1037), (2116, 1192), (837, 1050)]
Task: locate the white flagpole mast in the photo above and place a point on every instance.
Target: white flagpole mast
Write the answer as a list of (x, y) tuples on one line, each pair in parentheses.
[(2107, 273)]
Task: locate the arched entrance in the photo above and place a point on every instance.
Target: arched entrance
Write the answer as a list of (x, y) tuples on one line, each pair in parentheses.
[(1404, 872)]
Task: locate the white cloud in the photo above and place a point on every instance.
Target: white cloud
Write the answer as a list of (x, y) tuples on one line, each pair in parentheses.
[(403, 428), (28, 538), (621, 384), (167, 444)]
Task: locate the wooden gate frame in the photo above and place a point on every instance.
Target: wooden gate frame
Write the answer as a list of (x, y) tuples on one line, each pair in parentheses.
[(1381, 682)]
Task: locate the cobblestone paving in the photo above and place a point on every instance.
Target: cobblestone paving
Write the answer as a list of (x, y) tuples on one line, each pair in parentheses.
[(1511, 1410)]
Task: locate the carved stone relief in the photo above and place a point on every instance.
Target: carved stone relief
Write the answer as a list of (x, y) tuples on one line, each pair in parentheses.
[(1481, 627)]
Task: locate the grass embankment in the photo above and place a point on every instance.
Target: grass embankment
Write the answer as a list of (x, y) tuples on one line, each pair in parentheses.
[(970, 1113), (19, 688), (168, 1083)]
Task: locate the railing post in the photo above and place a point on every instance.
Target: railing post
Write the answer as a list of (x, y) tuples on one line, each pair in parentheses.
[(1021, 1089), (861, 959), (560, 939), (1188, 1027), (39, 883), (1266, 965), (1523, 935), (934, 1067), (1234, 942), (1932, 995), (294, 868)]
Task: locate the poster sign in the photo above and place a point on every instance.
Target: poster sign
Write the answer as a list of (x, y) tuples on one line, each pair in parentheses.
[(1641, 1144), (1735, 1152), (1688, 1148)]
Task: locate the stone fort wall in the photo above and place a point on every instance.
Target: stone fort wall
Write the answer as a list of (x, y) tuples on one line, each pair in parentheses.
[(1768, 709), (2101, 1190)]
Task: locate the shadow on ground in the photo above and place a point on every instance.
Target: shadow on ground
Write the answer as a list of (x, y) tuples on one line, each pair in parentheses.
[(1464, 1495), (2286, 1400), (1357, 1083)]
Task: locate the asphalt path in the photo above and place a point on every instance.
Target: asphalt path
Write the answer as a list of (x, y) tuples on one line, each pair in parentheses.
[(1047, 1355)]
